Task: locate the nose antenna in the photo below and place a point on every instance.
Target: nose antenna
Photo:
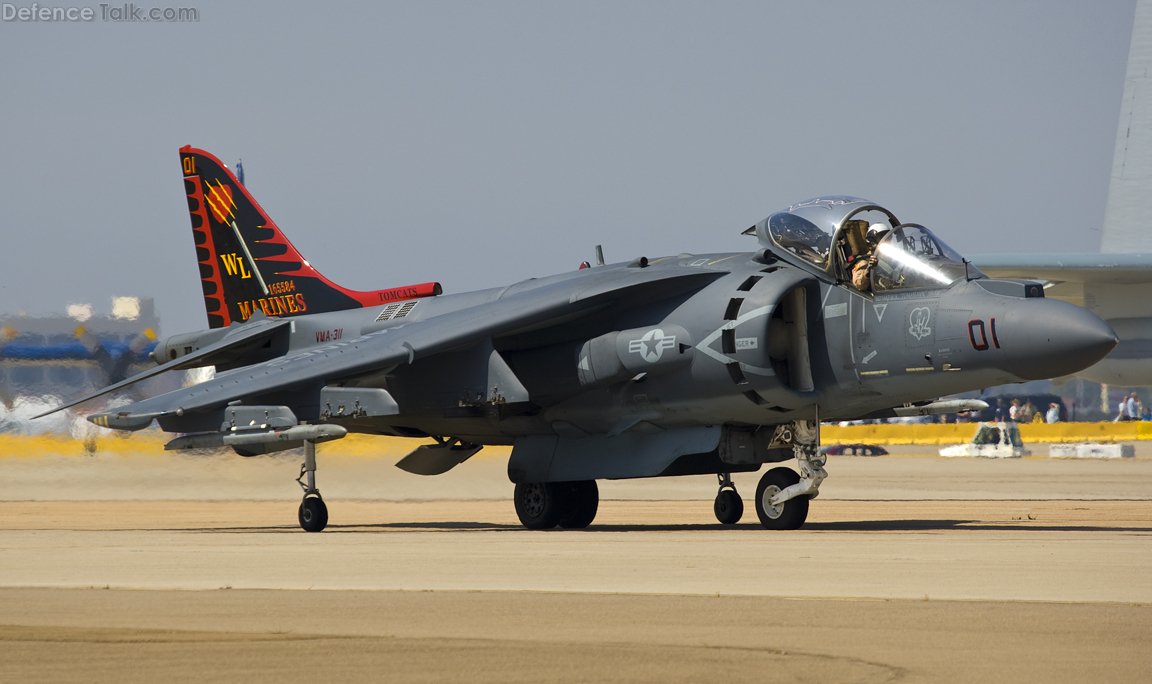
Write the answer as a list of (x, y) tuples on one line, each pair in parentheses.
[(966, 262)]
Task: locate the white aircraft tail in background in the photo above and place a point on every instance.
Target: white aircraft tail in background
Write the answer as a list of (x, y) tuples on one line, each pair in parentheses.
[(1116, 283), (1126, 227)]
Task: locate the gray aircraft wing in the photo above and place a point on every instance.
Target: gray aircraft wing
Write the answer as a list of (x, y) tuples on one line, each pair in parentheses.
[(1079, 268), (530, 309), (244, 337)]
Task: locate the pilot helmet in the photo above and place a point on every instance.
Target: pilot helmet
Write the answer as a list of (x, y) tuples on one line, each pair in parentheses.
[(877, 232)]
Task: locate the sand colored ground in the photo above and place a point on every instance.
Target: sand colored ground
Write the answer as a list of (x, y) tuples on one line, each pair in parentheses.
[(69, 635), (1006, 550), (910, 569), (138, 468)]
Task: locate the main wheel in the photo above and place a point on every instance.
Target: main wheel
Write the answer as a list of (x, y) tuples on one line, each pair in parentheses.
[(313, 514), (729, 507), (583, 498), (539, 505), (789, 515)]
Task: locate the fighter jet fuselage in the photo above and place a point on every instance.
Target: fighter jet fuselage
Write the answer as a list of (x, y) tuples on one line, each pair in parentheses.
[(759, 344)]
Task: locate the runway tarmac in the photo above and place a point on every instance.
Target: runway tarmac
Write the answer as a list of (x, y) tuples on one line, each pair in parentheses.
[(361, 468), (909, 569)]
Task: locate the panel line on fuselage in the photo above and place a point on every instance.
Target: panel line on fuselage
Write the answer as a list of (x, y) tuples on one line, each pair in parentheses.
[(704, 345)]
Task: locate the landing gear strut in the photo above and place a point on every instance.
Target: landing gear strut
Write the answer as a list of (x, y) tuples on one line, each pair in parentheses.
[(782, 496), (313, 513), (729, 507)]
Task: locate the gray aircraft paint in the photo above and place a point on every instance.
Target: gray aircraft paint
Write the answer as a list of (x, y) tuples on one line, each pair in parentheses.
[(680, 365), (455, 363)]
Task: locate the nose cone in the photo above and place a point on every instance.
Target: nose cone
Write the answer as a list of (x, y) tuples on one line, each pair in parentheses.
[(1051, 338)]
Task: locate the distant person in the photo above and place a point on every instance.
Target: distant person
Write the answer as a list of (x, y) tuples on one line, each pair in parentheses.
[(1028, 412), (1014, 411), (999, 413), (1133, 407), (1146, 414), (1121, 412), (1053, 415)]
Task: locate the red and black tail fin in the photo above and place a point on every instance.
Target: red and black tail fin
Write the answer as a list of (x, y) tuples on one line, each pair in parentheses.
[(247, 265)]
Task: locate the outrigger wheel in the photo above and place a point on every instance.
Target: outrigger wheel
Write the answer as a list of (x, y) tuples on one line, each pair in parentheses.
[(729, 507), (313, 514)]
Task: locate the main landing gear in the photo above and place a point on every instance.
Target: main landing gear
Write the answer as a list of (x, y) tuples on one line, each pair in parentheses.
[(729, 507), (544, 505), (782, 496), (313, 513)]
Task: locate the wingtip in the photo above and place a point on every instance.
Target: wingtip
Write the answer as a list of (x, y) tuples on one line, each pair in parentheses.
[(48, 413)]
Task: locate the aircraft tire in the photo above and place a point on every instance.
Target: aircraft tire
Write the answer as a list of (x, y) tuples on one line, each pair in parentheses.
[(539, 505), (583, 501), (729, 507), (792, 514), (313, 514)]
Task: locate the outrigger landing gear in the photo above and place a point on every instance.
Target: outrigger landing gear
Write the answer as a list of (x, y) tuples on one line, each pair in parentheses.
[(782, 496), (729, 507), (313, 513)]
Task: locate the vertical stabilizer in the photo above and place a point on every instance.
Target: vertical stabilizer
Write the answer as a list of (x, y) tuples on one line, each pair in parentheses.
[(1126, 218), (247, 265)]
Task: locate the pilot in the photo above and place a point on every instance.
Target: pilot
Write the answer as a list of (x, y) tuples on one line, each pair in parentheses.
[(861, 269), (861, 272), (877, 232)]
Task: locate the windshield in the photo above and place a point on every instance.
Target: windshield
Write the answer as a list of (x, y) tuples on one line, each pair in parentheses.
[(912, 257), (801, 237)]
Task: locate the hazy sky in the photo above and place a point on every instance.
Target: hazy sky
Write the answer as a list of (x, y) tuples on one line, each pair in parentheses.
[(480, 143)]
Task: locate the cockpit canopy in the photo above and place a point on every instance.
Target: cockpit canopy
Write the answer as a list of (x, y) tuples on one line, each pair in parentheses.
[(912, 257), (833, 234)]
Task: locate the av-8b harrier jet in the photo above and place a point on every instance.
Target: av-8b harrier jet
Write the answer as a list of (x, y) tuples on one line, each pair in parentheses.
[(690, 364)]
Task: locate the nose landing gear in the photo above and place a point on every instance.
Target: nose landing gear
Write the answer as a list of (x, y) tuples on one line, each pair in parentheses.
[(783, 515), (313, 513), (782, 496), (729, 507)]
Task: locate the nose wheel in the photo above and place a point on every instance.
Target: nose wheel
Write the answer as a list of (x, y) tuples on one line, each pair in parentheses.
[(786, 515), (729, 507), (313, 514)]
